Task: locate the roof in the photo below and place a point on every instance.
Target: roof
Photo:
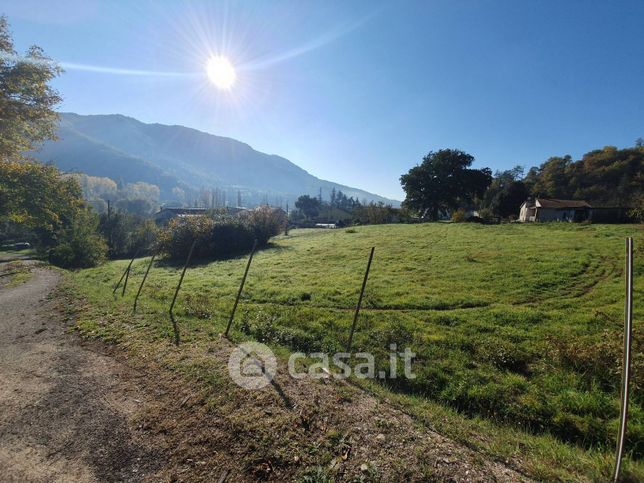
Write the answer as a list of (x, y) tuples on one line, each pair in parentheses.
[(179, 211), (561, 204), (183, 210)]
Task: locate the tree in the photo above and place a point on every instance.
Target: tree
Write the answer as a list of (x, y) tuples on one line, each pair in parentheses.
[(506, 193), (49, 206), (508, 199), (550, 180), (38, 198), (443, 181), (27, 102), (308, 205)]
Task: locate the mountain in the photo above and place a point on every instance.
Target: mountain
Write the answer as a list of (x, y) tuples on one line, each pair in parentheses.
[(128, 151)]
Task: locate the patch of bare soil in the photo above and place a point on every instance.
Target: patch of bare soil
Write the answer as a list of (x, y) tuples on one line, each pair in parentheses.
[(297, 430), (64, 408)]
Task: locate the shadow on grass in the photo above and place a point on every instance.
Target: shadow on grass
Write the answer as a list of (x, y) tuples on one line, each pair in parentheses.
[(202, 261)]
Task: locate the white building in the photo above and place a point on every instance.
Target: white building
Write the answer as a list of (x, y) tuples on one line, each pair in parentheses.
[(543, 209)]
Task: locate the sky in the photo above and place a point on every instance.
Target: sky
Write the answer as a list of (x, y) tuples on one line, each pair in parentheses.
[(357, 92)]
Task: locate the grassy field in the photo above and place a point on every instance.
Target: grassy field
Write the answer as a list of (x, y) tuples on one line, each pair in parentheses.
[(517, 328)]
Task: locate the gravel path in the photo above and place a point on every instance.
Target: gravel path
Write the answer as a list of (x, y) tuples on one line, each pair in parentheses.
[(64, 408)]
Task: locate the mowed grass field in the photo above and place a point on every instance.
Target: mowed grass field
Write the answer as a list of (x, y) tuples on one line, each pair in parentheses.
[(517, 328)]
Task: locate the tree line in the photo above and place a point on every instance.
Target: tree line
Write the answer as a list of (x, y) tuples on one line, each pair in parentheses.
[(444, 182)]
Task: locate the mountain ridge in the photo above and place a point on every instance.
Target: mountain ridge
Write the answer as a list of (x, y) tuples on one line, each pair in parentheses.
[(176, 156)]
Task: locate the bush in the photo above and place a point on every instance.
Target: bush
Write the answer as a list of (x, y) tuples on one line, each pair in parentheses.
[(220, 235), (459, 216), (79, 246), (230, 236), (144, 238), (266, 222), (127, 234), (177, 238), (487, 216)]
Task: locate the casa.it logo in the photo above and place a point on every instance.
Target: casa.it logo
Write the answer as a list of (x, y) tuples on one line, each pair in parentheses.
[(252, 365)]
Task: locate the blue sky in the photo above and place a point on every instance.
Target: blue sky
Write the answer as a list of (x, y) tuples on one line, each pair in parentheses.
[(359, 91)]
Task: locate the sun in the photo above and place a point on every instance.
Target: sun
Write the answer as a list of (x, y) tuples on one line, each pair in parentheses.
[(221, 72)]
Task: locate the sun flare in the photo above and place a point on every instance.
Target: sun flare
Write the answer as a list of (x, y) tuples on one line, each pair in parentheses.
[(221, 72)]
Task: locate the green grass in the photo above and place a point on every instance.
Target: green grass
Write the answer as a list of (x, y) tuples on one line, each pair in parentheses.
[(4, 252), (517, 327)]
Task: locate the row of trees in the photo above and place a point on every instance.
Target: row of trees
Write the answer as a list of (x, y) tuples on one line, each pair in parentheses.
[(343, 210), (138, 198), (445, 182)]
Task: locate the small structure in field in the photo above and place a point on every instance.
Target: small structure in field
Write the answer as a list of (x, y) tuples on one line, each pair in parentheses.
[(543, 209), (326, 225), (164, 215)]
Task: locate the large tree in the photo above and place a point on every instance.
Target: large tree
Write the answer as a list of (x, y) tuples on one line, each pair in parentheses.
[(443, 181), (309, 206), (506, 193), (26, 98)]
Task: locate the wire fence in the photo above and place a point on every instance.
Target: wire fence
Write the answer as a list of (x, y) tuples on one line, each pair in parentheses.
[(627, 337)]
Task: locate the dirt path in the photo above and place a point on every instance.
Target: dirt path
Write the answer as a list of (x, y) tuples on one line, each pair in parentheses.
[(64, 408)]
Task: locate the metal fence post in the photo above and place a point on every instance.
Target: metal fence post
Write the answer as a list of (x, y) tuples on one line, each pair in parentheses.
[(626, 363), (127, 271), (136, 299), (176, 292), (357, 312), (241, 287)]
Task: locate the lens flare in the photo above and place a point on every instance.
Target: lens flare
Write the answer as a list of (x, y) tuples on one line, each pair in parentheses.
[(221, 72)]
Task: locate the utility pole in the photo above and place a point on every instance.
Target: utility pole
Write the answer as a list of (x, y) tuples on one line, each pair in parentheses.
[(109, 223), (287, 220)]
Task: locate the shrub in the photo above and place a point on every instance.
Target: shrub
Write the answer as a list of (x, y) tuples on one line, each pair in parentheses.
[(79, 246), (219, 234), (266, 222), (144, 238), (231, 235), (637, 212), (459, 216), (177, 238), (487, 215)]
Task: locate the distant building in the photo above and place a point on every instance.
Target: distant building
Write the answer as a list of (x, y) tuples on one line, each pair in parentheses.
[(542, 209), (163, 216)]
